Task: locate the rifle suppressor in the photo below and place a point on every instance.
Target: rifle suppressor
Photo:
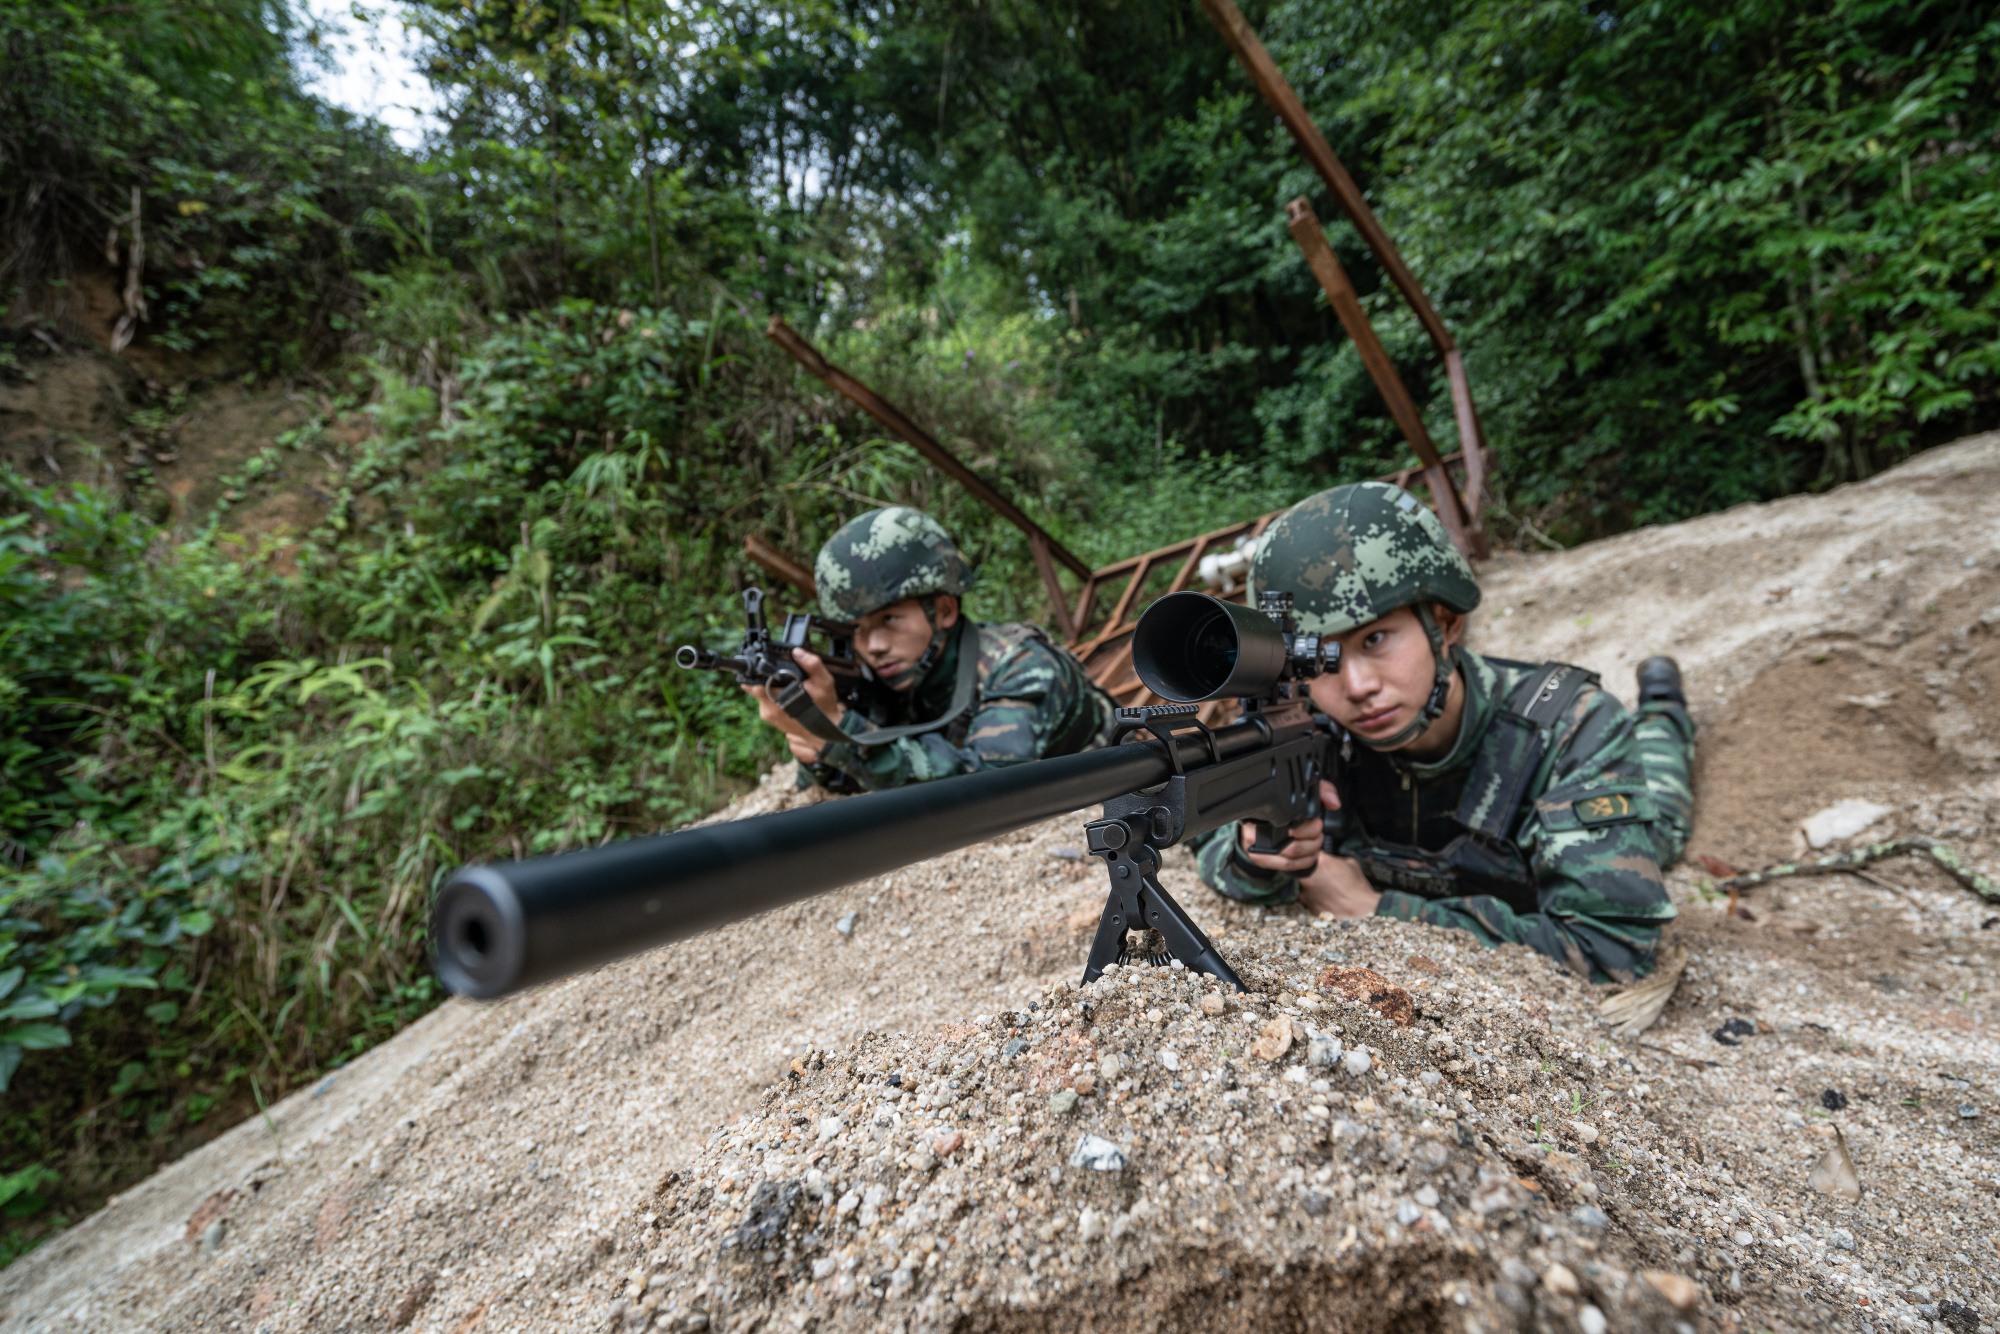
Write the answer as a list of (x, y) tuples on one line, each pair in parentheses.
[(500, 929)]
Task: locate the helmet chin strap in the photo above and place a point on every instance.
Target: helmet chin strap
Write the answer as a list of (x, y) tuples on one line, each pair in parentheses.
[(913, 676), (1440, 688)]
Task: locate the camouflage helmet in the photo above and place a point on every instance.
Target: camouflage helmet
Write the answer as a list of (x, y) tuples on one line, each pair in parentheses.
[(884, 556), (1353, 554)]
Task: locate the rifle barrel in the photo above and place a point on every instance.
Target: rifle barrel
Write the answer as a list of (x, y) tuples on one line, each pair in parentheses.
[(690, 658), (498, 929)]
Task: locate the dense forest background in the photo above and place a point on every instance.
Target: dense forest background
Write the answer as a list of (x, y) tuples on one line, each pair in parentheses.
[(1697, 254)]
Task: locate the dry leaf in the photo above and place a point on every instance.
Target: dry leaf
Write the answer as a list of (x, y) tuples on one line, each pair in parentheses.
[(1834, 1173), (1632, 1011)]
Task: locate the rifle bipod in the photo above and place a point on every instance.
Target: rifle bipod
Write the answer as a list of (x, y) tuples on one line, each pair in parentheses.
[(1137, 902)]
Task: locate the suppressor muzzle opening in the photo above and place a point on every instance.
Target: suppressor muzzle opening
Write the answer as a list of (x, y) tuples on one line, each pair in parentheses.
[(477, 934)]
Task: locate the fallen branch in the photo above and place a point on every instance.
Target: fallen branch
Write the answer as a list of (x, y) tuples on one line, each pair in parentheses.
[(1951, 861)]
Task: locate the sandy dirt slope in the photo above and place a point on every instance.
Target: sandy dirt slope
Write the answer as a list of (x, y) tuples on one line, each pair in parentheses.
[(494, 1168)]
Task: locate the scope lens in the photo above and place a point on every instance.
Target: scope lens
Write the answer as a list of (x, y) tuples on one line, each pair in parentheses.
[(1191, 647), (1209, 655)]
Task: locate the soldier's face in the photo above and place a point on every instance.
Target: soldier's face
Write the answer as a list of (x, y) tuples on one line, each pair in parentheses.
[(893, 639), (1386, 671)]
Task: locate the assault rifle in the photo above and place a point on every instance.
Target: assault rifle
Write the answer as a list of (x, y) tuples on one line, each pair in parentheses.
[(1166, 777), (766, 660)]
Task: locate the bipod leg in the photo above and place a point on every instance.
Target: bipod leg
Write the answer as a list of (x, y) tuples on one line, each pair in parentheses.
[(1136, 902), (1185, 940), (1121, 914)]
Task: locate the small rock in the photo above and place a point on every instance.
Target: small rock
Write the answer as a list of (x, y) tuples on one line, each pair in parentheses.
[(1349, 1130), (825, 1265), (1962, 1319), (1584, 1131), (1833, 1100), (1591, 1320), (1516, 1272), (1843, 819), (1063, 1102), (1559, 1280), (1098, 1154), (1322, 1049), (1592, 1217), (1089, 1224), (1967, 1111), (1064, 853), (1733, 1030), (1427, 1196), (1430, 1156), (1212, 1004), (1086, 1085), (1014, 1047), (1741, 1238), (212, 1236), (829, 1127), (846, 924), (847, 1204), (1373, 990), (1834, 1173), (1273, 1040), (1680, 1293), (1357, 1062), (1110, 1068), (1155, 1017), (947, 1144), (1170, 1058), (1408, 1213), (1840, 1237), (1315, 1204)]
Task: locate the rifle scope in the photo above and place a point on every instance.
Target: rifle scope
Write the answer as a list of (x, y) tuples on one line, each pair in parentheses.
[(1190, 647), (499, 929)]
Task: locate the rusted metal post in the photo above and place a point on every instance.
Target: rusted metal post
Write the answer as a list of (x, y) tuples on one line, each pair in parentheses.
[(777, 562), (1264, 73), (1050, 553), (1340, 294)]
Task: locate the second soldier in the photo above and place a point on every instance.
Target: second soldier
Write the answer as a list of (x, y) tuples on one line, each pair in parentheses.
[(954, 695)]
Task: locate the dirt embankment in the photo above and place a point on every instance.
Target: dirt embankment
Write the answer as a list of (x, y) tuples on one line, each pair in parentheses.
[(182, 438), (627, 1148)]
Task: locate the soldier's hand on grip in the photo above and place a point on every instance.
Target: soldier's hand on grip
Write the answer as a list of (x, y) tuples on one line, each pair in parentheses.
[(820, 689), (1301, 854)]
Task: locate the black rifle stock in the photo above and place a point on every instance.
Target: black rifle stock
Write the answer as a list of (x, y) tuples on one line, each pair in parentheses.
[(501, 928)]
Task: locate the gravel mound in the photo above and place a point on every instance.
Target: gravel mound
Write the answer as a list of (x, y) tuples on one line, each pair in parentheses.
[(1154, 1151)]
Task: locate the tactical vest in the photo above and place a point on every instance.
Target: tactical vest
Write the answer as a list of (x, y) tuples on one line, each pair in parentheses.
[(1458, 830), (981, 649)]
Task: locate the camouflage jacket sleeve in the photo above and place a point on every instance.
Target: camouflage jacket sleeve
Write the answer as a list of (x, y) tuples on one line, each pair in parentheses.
[(1224, 869), (1026, 693), (1600, 898)]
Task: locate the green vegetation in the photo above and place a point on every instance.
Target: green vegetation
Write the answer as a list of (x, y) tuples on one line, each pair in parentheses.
[(1697, 254)]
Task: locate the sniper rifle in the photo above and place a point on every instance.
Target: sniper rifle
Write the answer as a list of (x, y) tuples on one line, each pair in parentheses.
[(1167, 776)]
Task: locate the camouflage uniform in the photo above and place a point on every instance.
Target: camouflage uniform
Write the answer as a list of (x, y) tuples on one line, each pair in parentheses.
[(1028, 699), (1549, 820), (1031, 700)]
